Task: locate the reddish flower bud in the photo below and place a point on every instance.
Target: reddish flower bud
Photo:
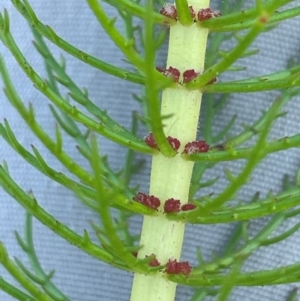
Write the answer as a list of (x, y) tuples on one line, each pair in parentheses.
[(174, 267), (150, 141), (196, 147), (189, 75), (154, 263), (207, 13), (193, 14), (169, 10), (185, 268), (187, 207), (172, 205), (147, 200), (170, 72), (175, 143)]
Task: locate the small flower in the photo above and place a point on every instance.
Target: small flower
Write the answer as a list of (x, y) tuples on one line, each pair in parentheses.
[(187, 207), (150, 141), (174, 267), (148, 200), (189, 75), (207, 13), (169, 10), (196, 147), (171, 206), (175, 143), (171, 72)]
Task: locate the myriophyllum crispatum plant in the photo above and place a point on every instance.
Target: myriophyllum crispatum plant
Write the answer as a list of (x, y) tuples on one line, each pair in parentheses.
[(203, 43)]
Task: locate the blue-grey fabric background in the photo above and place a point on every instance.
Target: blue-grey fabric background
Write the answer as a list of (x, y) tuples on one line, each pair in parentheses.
[(80, 276)]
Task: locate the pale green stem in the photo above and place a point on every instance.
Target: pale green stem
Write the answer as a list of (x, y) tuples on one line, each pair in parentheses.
[(170, 177)]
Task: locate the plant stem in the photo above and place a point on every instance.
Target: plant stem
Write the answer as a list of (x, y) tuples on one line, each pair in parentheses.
[(170, 177)]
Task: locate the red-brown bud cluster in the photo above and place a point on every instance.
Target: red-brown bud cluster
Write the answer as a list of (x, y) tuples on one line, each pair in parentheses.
[(192, 11), (175, 267), (150, 141), (194, 147), (175, 143), (171, 72), (187, 207), (172, 206), (154, 263), (189, 75), (148, 200), (207, 13), (169, 10)]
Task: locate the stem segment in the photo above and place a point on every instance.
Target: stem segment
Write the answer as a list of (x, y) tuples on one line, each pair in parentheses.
[(170, 177)]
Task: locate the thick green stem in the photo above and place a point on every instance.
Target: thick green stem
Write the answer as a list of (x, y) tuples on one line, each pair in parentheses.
[(170, 177)]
